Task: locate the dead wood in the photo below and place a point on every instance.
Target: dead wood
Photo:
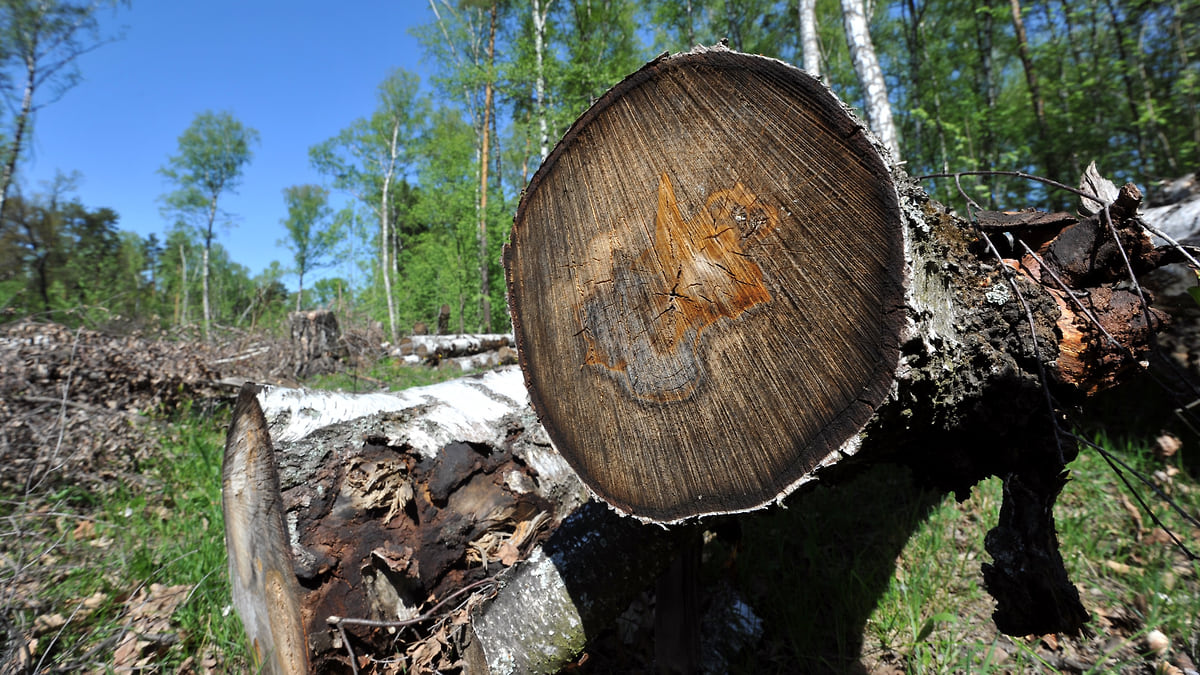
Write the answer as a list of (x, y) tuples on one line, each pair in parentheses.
[(433, 348), (954, 345), (317, 342)]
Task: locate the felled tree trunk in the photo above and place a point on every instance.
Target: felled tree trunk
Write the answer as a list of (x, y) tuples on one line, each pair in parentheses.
[(720, 288), (729, 299), (390, 503), (315, 338)]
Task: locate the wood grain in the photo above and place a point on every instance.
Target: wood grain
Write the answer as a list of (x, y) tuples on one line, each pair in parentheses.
[(264, 587), (705, 277)]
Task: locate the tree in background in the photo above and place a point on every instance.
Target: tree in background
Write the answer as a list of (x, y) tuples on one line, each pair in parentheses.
[(870, 75), (441, 264), (468, 46), (213, 152), (370, 160), (40, 41), (70, 263), (310, 236)]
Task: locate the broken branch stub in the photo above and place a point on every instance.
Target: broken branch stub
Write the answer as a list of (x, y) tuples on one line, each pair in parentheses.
[(707, 279)]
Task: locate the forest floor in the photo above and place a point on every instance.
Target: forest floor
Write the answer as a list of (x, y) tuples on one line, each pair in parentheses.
[(112, 555)]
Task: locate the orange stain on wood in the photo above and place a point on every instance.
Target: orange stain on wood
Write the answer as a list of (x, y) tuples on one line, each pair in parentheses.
[(646, 324)]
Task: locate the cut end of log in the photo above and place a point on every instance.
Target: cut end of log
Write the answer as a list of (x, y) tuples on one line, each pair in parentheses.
[(265, 591), (706, 276)]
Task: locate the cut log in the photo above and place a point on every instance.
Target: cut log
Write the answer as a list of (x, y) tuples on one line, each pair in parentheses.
[(436, 347), (395, 501), (707, 320), (716, 282), (711, 263)]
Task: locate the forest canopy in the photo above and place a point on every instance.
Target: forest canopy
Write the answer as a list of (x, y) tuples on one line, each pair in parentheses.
[(429, 178)]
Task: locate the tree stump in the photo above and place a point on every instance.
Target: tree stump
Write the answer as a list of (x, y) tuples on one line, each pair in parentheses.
[(316, 340)]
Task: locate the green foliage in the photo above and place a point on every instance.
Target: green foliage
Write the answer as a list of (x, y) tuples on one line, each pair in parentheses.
[(1120, 85), (66, 262), (370, 160), (310, 236), (395, 373), (213, 152)]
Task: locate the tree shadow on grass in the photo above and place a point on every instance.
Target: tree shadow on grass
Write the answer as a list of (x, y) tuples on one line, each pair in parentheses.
[(817, 569)]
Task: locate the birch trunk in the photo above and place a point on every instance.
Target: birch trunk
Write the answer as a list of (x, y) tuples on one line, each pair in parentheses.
[(809, 39), (870, 75), (183, 282), (385, 228), (540, 13), (10, 164)]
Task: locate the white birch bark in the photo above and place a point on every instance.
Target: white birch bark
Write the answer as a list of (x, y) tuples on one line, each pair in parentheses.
[(385, 226), (540, 12), (810, 45), (870, 75), (212, 216)]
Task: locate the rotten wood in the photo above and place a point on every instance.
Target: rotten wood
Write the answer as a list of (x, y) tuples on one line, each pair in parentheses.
[(316, 340), (396, 501)]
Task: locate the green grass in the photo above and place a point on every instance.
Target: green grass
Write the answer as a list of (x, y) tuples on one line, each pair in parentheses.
[(392, 374), (869, 574), (90, 558)]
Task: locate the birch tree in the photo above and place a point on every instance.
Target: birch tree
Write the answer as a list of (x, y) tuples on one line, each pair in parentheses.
[(370, 160), (870, 75), (40, 42), (213, 152), (540, 11), (810, 45), (309, 235), (468, 52)]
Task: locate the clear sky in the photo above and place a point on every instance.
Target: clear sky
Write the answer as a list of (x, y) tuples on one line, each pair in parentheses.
[(297, 71)]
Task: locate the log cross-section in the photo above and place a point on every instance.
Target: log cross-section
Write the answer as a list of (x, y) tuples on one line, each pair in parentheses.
[(707, 278)]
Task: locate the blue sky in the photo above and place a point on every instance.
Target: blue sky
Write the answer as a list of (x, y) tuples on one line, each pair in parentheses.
[(296, 71)]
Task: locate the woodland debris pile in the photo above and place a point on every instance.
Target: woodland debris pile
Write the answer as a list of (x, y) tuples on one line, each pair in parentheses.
[(73, 402)]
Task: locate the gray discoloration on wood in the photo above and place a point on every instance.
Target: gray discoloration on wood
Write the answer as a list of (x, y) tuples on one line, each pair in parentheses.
[(643, 314)]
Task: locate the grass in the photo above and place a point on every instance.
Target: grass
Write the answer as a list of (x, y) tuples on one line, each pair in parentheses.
[(870, 575), (847, 592), (391, 373), (89, 570)]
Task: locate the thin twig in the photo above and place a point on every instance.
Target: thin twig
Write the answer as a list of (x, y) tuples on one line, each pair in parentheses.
[(1163, 235), (340, 622)]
